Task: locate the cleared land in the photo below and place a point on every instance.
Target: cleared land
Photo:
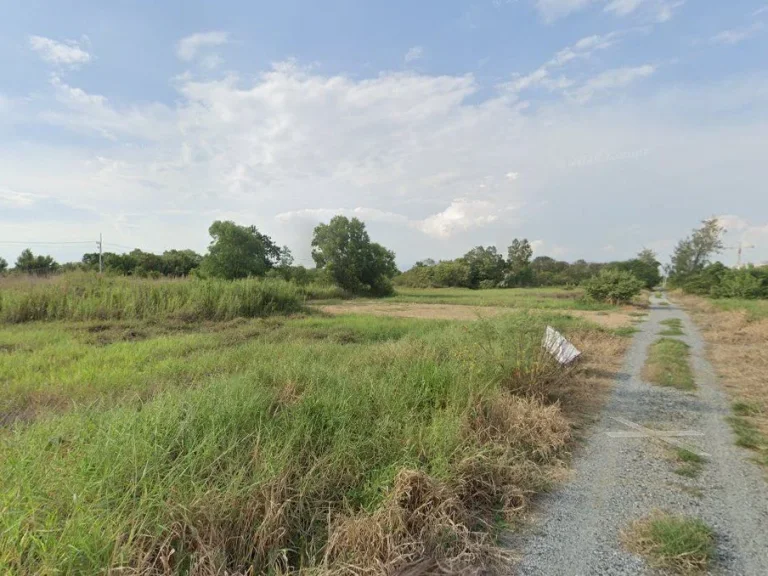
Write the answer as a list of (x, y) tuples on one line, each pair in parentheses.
[(736, 332), (286, 443)]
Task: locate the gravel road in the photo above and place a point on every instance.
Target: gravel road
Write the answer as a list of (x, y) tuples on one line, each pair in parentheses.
[(618, 480)]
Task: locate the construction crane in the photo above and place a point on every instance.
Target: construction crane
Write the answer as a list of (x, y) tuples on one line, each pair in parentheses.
[(740, 248)]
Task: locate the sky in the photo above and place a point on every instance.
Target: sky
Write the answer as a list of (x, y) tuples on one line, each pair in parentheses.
[(593, 128)]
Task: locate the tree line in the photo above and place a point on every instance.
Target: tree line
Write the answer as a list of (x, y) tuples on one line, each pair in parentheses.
[(485, 267), (342, 251)]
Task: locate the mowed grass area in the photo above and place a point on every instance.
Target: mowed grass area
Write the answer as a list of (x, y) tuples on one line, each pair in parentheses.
[(522, 298), (668, 364), (352, 444)]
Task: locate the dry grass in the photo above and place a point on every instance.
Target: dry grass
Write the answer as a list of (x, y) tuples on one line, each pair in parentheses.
[(679, 544), (736, 346)]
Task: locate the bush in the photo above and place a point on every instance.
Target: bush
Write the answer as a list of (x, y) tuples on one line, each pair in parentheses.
[(740, 284), (613, 286)]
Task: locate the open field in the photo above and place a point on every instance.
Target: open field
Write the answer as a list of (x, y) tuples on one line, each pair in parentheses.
[(282, 444), (736, 332), (523, 298)]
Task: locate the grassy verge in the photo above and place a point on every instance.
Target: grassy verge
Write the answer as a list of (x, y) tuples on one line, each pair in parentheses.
[(690, 464), (736, 332), (674, 327), (668, 364), (354, 444), (680, 544)]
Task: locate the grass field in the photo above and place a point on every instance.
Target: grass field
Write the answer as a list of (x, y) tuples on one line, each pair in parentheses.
[(318, 444), (754, 309), (523, 298)]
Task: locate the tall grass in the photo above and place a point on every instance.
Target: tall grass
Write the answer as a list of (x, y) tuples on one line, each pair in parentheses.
[(89, 297), (341, 446)]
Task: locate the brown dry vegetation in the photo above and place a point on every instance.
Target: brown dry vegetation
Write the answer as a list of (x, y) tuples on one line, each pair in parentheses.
[(737, 346)]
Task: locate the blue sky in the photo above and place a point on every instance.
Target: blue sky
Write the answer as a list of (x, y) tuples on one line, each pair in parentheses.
[(591, 127)]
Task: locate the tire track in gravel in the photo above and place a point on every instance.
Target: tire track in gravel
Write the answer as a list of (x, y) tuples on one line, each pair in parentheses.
[(619, 480)]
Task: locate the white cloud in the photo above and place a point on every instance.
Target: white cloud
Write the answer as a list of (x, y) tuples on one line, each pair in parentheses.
[(582, 49), (611, 80), (68, 53), (415, 53), (737, 35), (410, 151), (659, 10), (623, 7), (753, 238), (15, 199), (760, 11), (463, 214), (512, 176), (189, 47)]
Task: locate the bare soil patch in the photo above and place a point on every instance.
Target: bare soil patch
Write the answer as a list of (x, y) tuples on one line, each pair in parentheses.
[(614, 319)]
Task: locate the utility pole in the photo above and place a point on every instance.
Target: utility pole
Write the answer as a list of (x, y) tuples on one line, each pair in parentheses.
[(100, 252)]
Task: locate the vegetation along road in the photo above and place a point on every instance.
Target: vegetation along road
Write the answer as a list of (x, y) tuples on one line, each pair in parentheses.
[(684, 503)]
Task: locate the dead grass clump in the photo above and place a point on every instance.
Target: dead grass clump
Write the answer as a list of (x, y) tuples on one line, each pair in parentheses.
[(529, 425), (422, 528)]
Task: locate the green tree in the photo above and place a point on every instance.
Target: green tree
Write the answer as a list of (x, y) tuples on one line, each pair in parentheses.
[(645, 267), (343, 248), (31, 264), (519, 271), (3, 265), (693, 254), (486, 266), (239, 251)]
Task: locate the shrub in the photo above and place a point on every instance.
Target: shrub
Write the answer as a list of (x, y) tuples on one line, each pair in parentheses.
[(614, 286)]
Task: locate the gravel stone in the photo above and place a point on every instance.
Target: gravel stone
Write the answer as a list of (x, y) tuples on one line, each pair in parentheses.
[(576, 530)]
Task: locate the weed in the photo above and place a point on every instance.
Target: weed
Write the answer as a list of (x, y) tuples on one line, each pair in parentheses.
[(691, 463), (674, 327), (681, 544), (667, 364)]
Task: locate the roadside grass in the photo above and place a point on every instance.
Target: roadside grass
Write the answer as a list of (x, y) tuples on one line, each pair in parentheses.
[(754, 309), (690, 463), (352, 444), (736, 332), (674, 327), (525, 298), (668, 364), (683, 545)]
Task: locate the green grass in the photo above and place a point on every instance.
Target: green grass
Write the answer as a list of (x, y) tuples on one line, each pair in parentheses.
[(755, 309), (81, 296), (253, 444), (524, 298), (748, 435), (678, 543), (690, 463), (674, 327), (668, 364)]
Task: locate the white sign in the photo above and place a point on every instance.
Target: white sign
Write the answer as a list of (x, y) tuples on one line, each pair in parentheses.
[(563, 351)]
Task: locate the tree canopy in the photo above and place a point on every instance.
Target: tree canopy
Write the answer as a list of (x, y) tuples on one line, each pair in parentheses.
[(31, 264), (3, 265), (694, 253), (239, 251), (343, 248)]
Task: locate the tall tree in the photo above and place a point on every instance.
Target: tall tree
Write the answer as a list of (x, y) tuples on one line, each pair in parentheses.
[(519, 271), (239, 251), (486, 265), (343, 248), (3, 265), (692, 254)]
